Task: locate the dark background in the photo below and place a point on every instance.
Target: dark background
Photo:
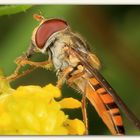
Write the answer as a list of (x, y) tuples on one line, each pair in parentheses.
[(114, 35)]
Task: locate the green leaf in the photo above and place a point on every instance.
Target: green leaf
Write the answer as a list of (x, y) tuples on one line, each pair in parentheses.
[(13, 9)]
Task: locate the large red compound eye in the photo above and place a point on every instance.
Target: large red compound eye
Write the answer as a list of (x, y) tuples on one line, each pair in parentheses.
[(46, 29)]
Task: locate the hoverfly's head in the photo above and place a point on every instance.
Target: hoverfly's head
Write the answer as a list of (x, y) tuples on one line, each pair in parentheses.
[(43, 34)]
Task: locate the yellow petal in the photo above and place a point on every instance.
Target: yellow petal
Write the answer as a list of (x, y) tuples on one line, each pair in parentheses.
[(60, 131), (52, 90), (75, 127), (5, 120), (23, 90), (61, 117), (26, 132), (40, 111), (30, 120), (70, 103)]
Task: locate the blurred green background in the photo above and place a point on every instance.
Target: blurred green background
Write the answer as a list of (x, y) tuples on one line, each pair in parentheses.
[(113, 33)]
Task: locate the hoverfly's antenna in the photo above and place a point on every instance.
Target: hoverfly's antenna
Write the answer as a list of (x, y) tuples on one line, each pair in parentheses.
[(38, 17)]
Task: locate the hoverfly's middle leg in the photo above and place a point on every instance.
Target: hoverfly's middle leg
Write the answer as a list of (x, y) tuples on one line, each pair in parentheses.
[(63, 76)]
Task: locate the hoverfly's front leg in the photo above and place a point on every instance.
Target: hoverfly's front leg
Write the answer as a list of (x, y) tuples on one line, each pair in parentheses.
[(15, 74), (44, 64), (22, 61)]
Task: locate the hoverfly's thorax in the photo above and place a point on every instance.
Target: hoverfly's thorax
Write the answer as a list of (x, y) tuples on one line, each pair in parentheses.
[(59, 56)]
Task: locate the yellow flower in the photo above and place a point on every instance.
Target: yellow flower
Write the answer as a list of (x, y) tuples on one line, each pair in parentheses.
[(33, 110)]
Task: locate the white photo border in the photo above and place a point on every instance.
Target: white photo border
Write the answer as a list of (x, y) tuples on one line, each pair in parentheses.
[(73, 2)]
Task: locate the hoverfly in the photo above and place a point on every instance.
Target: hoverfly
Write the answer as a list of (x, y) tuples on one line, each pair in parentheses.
[(79, 68)]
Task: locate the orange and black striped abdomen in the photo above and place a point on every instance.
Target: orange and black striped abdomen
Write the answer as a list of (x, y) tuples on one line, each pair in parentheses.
[(105, 106)]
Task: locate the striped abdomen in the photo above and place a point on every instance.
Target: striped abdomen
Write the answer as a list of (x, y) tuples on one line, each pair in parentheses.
[(105, 106)]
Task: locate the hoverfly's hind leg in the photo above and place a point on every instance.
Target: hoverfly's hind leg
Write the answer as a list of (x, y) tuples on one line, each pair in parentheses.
[(78, 73), (74, 77), (84, 113)]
